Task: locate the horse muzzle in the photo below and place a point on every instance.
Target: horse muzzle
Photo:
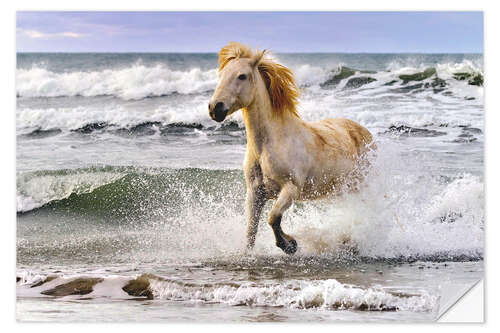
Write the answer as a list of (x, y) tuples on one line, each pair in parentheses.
[(218, 112)]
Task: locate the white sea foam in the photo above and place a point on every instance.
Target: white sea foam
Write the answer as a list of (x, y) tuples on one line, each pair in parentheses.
[(399, 213), (119, 116), (135, 82), (307, 75), (296, 294), (27, 203), (311, 108), (34, 191), (323, 294)]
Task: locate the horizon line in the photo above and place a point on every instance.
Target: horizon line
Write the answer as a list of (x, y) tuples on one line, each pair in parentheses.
[(216, 52)]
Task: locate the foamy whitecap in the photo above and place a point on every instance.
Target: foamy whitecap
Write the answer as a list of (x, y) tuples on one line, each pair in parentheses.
[(27, 203), (306, 75), (34, 191), (135, 82), (296, 294), (74, 118), (324, 294), (139, 81)]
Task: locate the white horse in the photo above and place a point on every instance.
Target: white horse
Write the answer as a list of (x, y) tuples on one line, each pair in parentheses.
[(286, 158)]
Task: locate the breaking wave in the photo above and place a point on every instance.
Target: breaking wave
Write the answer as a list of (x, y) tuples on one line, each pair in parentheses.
[(327, 294), (185, 210), (135, 82), (140, 81)]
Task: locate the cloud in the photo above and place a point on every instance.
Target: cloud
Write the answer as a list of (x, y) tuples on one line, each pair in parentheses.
[(72, 34), (35, 34)]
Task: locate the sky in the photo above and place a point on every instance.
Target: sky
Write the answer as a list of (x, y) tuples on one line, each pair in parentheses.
[(376, 32)]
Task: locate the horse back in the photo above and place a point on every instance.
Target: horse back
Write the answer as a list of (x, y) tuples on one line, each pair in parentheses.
[(343, 135)]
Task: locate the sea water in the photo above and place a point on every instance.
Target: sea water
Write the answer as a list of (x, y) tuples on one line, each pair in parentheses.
[(121, 172)]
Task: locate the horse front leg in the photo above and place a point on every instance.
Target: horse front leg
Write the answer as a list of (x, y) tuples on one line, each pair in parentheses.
[(256, 198), (288, 193)]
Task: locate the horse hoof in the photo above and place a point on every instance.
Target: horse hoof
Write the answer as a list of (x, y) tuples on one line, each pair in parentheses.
[(290, 247)]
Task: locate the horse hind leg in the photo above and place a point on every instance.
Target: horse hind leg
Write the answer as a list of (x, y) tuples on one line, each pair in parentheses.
[(288, 193), (256, 198)]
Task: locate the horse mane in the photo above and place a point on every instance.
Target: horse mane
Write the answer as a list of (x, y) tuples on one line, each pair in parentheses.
[(279, 80)]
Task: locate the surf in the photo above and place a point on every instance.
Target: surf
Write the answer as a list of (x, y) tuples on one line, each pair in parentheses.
[(415, 217)]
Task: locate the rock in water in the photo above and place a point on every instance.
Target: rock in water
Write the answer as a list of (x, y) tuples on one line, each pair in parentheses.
[(390, 83), (140, 286), (437, 85), (410, 88), (476, 79), (344, 73), (357, 82), (89, 128), (420, 76), (461, 76), (80, 286), (403, 130)]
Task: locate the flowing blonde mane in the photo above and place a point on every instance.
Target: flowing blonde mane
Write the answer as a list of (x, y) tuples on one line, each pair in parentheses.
[(279, 80)]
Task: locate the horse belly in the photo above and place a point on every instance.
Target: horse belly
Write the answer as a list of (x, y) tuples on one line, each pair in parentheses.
[(328, 177), (317, 189), (272, 188)]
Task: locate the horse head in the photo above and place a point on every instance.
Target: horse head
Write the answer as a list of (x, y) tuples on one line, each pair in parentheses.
[(238, 72)]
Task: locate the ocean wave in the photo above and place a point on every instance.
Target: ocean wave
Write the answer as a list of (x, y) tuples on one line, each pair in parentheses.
[(42, 123), (68, 119), (438, 79), (403, 218), (327, 294), (132, 83), (139, 81), (37, 189), (100, 189), (446, 69)]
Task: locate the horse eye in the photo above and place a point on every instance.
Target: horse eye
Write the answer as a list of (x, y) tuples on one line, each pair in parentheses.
[(242, 77)]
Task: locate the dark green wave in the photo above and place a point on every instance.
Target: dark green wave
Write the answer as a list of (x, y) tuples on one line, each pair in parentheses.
[(143, 191)]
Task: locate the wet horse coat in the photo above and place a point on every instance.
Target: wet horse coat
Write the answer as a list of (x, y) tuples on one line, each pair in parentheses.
[(287, 158)]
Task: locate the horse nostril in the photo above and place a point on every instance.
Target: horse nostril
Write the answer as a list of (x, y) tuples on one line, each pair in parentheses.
[(219, 112), (219, 107)]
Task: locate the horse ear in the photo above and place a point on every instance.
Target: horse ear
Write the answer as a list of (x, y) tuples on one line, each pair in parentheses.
[(257, 57)]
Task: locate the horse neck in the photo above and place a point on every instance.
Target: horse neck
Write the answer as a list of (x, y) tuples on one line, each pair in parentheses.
[(262, 126)]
